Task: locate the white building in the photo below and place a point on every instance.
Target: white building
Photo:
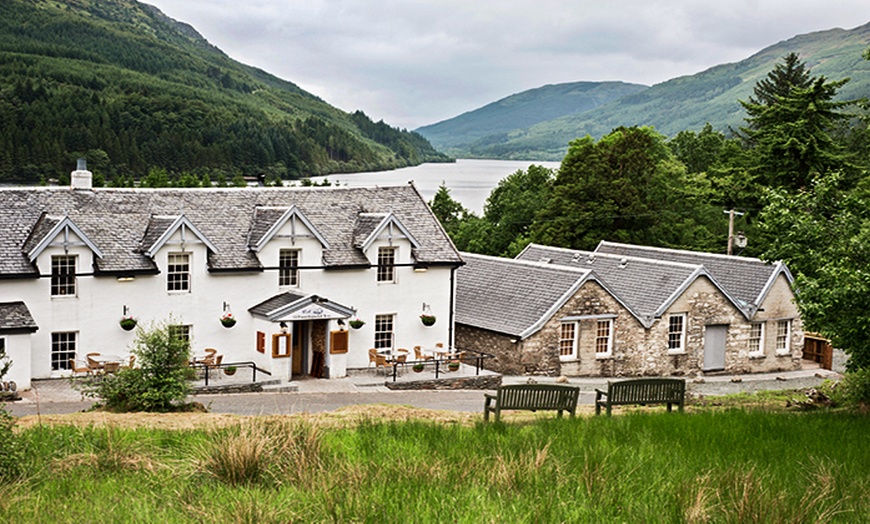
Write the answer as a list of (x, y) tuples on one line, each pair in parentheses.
[(73, 261)]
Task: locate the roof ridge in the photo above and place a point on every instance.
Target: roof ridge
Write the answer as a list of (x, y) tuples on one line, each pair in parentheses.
[(527, 263), (734, 258), (629, 257)]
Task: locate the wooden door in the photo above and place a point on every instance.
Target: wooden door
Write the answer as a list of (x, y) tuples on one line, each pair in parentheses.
[(300, 336), (714, 347)]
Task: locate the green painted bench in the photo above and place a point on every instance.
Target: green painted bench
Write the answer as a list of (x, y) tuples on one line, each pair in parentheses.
[(532, 397), (641, 391)]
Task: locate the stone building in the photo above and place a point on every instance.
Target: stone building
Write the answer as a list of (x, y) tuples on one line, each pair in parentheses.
[(628, 311)]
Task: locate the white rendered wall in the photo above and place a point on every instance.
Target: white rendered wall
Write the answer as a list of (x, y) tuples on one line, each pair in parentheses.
[(99, 303)]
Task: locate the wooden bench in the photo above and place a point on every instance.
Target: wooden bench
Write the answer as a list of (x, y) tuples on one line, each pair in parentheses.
[(532, 397), (642, 391)]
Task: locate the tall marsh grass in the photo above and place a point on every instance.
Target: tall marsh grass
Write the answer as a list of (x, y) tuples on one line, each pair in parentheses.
[(730, 466)]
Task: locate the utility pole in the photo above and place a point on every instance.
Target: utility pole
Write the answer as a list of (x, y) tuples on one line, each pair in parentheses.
[(731, 214)]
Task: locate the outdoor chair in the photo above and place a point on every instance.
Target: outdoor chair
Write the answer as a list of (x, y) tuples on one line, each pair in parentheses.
[(93, 364), (111, 367), (73, 365), (373, 357), (418, 354), (402, 356), (381, 361), (132, 361)]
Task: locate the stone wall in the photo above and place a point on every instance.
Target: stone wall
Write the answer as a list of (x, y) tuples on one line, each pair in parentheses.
[(476, 382), (638, 351)]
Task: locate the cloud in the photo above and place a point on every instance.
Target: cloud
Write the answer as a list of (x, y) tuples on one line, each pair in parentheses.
[(415, 63)]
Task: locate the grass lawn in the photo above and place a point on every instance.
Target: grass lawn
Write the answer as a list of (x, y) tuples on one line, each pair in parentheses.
[(719, 464)]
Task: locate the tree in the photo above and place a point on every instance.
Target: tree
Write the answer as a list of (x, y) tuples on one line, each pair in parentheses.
[(823, 233), (789, 126), (159, 383), (511, 207), (628, 187), (448, 211)]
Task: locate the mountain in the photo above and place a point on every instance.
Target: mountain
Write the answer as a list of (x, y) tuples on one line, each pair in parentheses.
[(497, 120), (684, 103), (132, 89)]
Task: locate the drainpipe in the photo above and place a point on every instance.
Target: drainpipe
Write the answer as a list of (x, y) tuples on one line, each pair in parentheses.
[(450, 334)]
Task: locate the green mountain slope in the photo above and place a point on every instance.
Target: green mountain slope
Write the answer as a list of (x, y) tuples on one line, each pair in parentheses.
[(684, 103), (496, 120), (133, 89)]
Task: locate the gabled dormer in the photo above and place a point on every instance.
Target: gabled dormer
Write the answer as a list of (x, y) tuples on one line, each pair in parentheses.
[(371, 227), (56, 231), (270, 223), (162, 228)]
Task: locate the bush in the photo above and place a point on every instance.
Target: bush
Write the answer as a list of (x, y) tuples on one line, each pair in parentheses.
[(160, 383), (854, 389), (10, 448)]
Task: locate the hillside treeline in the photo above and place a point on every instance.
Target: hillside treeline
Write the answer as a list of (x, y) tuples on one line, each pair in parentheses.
[(119, 81)]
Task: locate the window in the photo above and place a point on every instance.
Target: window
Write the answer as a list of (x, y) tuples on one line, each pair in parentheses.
[(178, 272), (783, 336), (677, 333), (756, 338), (288, 267), (568, 340), (383, 331), (63, 276), (386, 264), (603, 337), (180, 332), (63, 348)]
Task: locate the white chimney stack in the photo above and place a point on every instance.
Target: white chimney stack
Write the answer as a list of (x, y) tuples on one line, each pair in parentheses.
[(81, 178)]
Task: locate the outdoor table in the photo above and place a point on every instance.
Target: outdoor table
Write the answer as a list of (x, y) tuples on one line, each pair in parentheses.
[(102, 359)]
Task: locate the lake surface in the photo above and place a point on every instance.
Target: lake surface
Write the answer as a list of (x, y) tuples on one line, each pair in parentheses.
[(469, 181)]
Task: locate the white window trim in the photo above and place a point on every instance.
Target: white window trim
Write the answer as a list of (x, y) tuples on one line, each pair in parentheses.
[(609, 352), (298, 273), (393, 272), (575, 342), (787, 349), (682, 349), (189, 289), (75, 283), (760, 351), (392, 332)]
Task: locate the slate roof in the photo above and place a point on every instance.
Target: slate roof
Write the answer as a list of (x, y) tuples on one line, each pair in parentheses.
[(746, 279), (276, 302), (14, 316), (120, 221), (647, 286), (510, 296)]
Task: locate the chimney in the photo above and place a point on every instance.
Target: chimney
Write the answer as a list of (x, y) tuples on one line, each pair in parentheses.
[(81, 178)]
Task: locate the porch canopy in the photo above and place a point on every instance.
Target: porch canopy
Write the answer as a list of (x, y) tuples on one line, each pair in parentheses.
[(290, 307)]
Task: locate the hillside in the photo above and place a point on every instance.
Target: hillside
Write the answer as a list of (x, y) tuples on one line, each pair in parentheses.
[(684, 103), (132, 89), (495, 121)]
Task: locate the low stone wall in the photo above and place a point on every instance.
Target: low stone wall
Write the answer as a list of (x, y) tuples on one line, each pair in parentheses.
[(251, 387), (475, 382)]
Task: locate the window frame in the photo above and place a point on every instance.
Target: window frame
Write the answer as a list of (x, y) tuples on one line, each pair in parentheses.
[(573, 340), (288, 274), (383, 338), (759, 339), (64, 284), (608, 338), (386, 267), (680, 335), (60, 356), (786, 338), (178, 282)]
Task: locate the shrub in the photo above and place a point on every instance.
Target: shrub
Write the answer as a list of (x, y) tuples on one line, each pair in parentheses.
[(855, 388), (10, 448), (160, 383)]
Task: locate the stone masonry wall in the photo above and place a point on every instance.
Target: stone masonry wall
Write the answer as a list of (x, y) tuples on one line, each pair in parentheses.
[(644, 352)]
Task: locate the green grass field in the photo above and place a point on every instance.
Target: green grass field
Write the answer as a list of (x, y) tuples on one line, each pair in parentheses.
[(724, 465)]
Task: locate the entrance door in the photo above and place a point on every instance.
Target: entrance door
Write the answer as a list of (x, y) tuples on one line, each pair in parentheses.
[(714, 347), (300, 344)]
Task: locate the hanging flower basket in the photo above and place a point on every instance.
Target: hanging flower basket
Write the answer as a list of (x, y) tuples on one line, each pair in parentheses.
[(418, 368), (128, 323), (427, 320), (228, 320), (453, 365), (356, 323)]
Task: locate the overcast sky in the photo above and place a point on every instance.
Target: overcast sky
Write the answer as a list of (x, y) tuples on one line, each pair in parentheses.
[(413, 63)]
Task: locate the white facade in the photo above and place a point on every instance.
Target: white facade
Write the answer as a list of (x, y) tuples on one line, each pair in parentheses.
[(90, 316)]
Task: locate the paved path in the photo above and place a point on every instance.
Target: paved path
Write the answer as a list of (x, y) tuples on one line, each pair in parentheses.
[(315, 395)]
